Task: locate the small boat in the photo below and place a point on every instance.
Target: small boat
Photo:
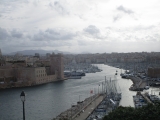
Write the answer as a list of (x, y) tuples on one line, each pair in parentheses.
[(146, 87)]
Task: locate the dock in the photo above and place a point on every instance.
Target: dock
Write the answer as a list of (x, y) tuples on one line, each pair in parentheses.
[(147, 99), (138, 84), (82, 110), (82, 115)]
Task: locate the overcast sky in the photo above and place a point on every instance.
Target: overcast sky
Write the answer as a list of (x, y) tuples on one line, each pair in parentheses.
[(80, 25)]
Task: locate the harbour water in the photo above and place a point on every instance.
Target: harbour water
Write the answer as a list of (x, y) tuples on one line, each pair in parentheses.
[(45, 102)]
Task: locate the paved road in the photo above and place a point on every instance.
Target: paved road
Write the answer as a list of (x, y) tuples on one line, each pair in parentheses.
[(89, 109)]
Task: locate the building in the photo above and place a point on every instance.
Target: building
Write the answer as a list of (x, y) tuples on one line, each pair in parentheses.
[(56, 62), (19, 74), (154, 72)]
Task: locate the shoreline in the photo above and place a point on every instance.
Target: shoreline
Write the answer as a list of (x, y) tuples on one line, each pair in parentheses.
[(22, 86)]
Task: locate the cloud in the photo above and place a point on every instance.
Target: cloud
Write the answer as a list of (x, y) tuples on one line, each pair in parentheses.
[(8, 6), (125, 10), (3, 34), (58, 7), (91, 29), (150, 38), (10, 35), (52, 34), (16, 34), (117, 17), (46, 23), (140, 27), (94, 33)]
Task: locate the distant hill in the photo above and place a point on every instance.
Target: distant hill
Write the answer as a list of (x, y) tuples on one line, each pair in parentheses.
[(41, 52)]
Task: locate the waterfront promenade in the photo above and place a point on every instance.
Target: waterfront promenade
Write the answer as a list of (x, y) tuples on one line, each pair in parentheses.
[(89, 109), (82, 110)]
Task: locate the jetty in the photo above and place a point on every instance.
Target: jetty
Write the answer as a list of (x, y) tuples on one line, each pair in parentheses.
[(138, 84)]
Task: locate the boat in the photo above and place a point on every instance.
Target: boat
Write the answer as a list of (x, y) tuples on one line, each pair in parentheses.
[(74, 73), (126, 76), (77, 73), (74, 77), (146, 87)]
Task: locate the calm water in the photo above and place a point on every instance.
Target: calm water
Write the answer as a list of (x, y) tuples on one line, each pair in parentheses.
[(45, 102)]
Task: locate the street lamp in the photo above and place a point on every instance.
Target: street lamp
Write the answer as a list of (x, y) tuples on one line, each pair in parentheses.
[(22, 96)]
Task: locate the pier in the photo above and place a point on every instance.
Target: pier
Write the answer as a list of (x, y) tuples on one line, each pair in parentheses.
[(82, 115), (82, 110), (138, 84)]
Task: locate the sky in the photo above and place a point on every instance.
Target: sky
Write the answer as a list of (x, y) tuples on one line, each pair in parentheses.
[(78, 26)]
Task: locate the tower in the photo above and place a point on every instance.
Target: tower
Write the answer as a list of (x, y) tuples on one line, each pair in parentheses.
[(57, 66)]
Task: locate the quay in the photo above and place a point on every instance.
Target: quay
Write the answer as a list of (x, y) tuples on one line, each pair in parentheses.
[(98, 106), (89, 109), (138, 84), (82, 110), (146, 98)]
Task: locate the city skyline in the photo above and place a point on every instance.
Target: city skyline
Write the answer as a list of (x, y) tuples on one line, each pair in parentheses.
[(80, 26)]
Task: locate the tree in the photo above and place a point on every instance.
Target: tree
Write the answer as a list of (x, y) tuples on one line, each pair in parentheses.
[(149, 112)]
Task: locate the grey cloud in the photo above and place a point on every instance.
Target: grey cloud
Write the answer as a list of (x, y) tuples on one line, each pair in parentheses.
[(9, 5), (51, 34), (3, 34), (94, 32), (91, 29), (58, 7), (128, 11), (115, 18), (16, 34), (51, 31)]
